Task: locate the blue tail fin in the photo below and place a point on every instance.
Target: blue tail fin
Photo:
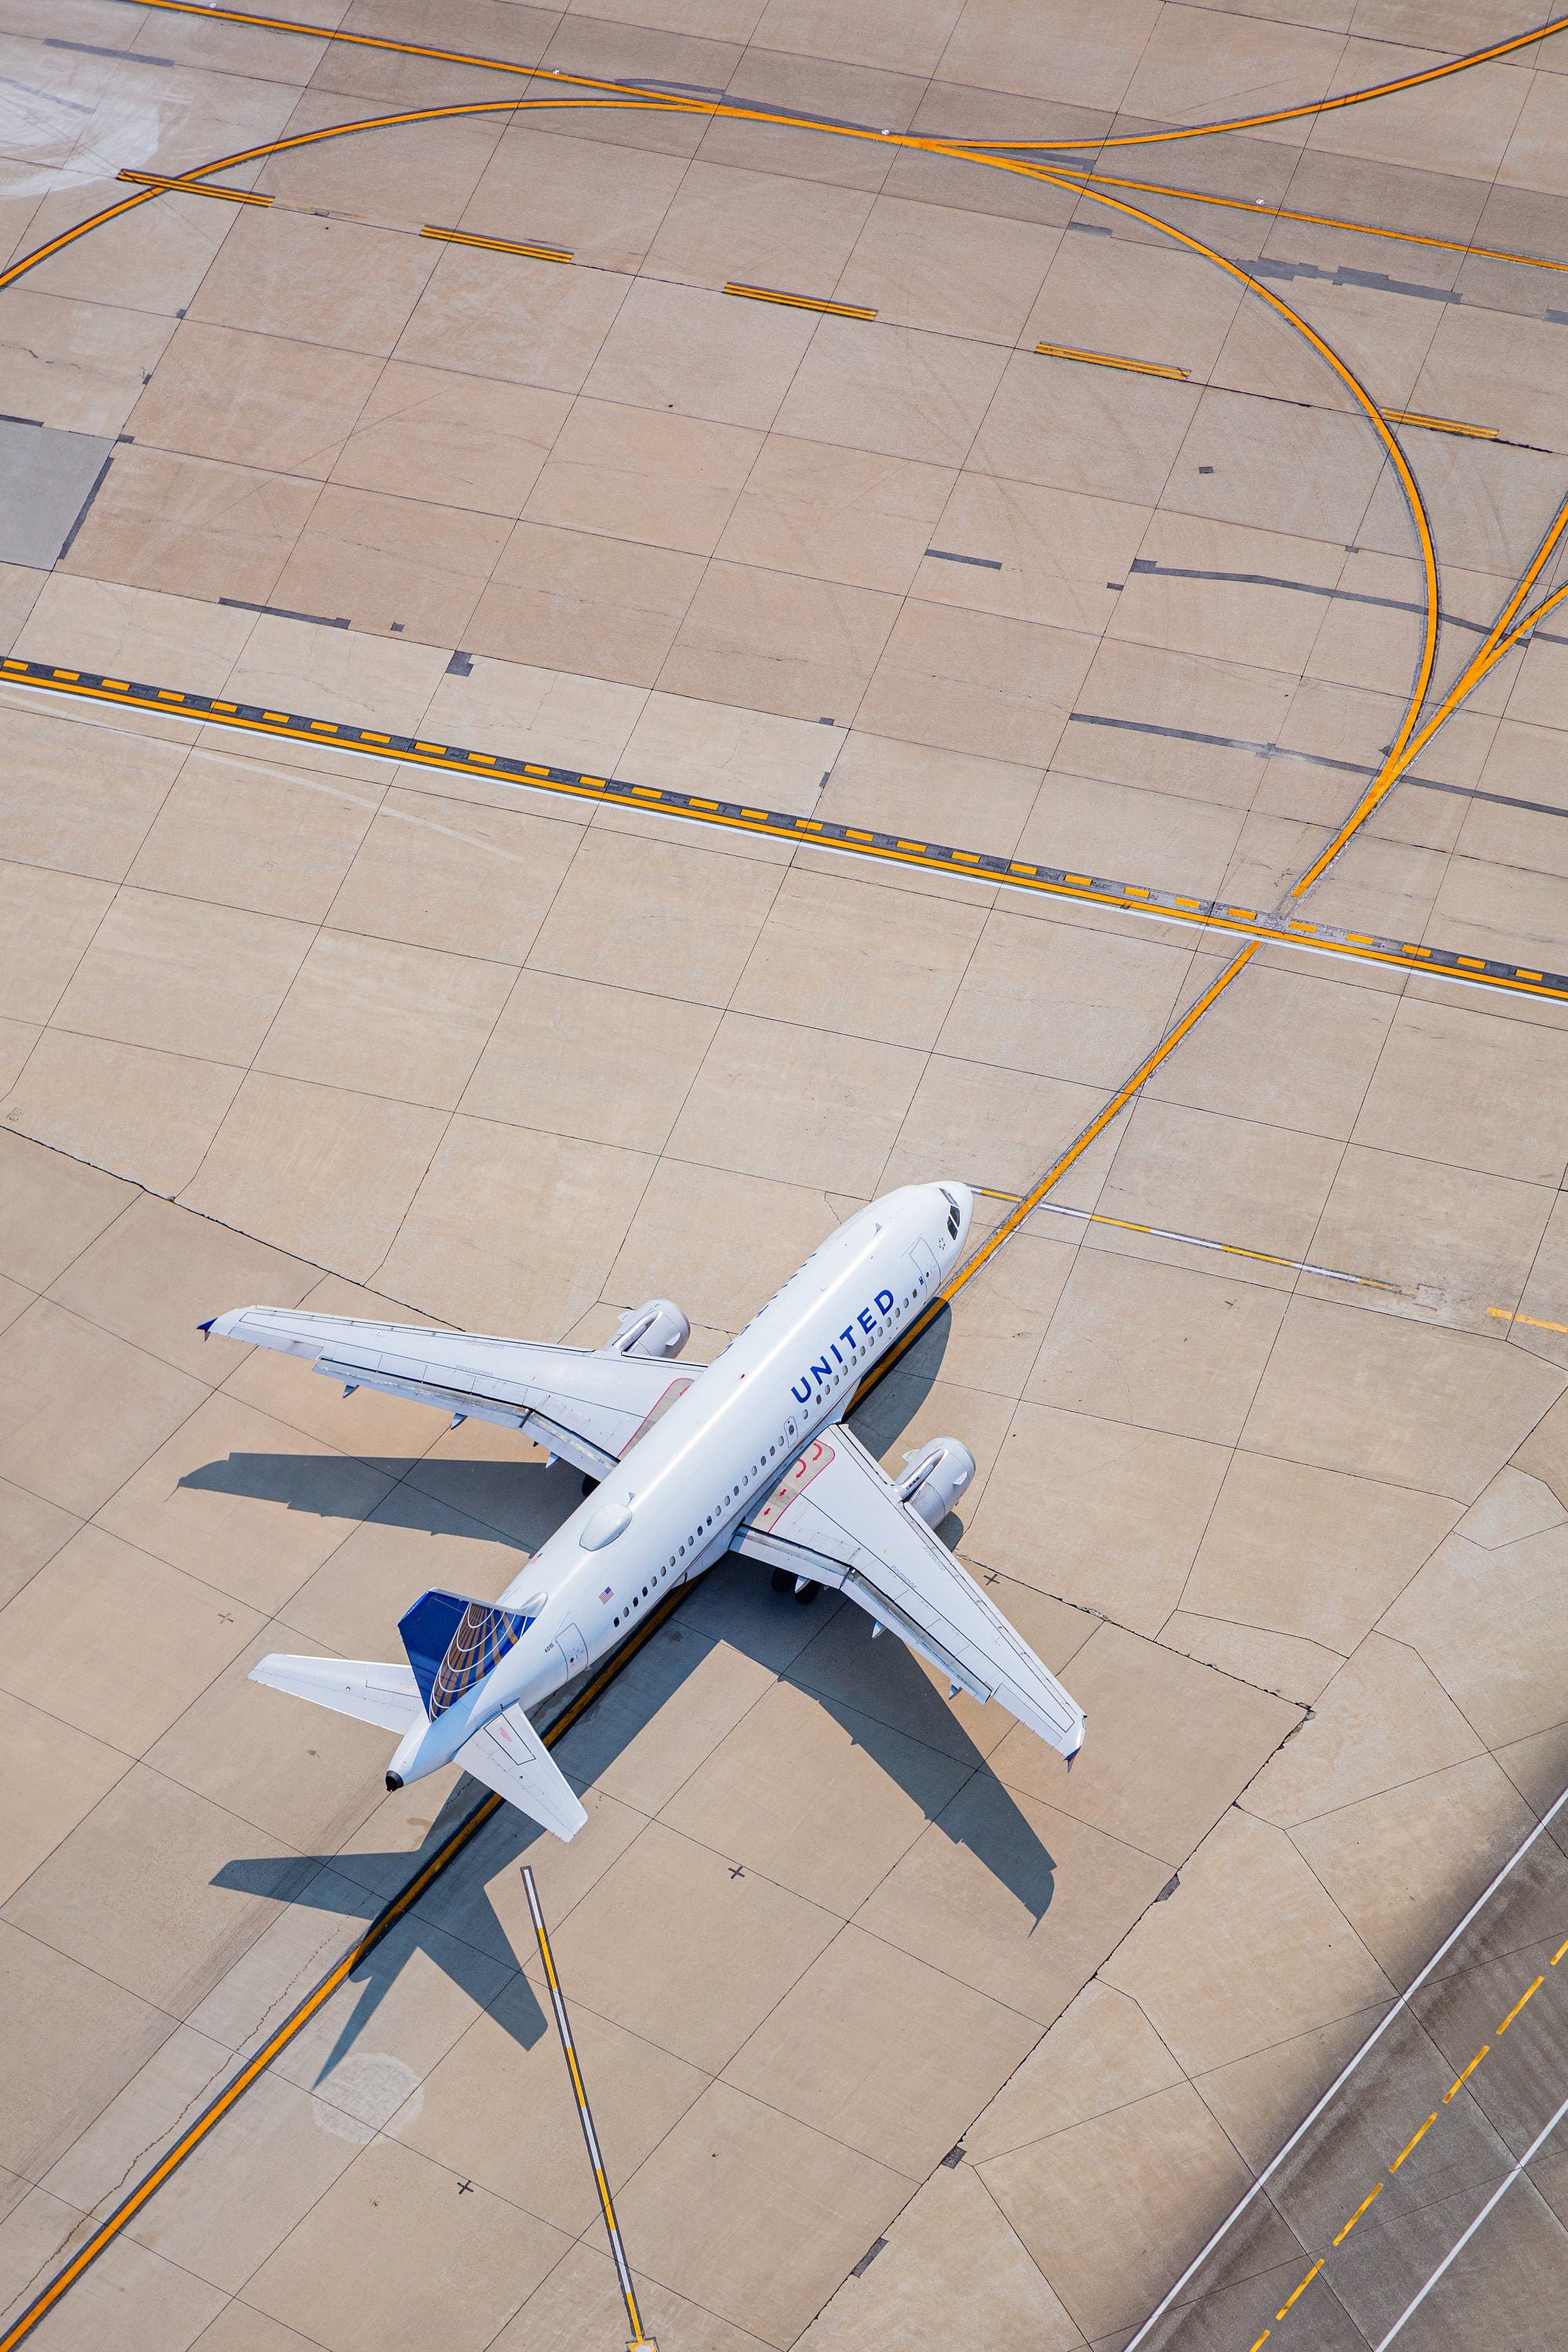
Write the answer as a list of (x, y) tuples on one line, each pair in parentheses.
[(453, 1642)]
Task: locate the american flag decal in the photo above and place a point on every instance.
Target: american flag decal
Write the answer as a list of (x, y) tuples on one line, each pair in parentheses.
[(608, 1593)]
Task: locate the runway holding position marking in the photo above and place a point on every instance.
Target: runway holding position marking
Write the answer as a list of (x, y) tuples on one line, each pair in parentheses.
[(809, 832)]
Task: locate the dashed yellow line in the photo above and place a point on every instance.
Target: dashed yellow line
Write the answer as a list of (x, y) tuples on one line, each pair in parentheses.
[(1412, 2142), (496, 244), (1455, 2088), (1284, 2307), (1014, 870), (1111, 360), (1409, 2143), (1519, 2004), (157, 184), (800, 301), (1197, 1241), (1536, 1323), (1355, 2217), (806, 832), (1441, 423)]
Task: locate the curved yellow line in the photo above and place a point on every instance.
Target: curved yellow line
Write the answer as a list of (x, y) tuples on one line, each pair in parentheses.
[(619, 98), (680, 104), (1351, 382), (1499, 639), (1284, 113), (303, 138), (69, 236), (620, 95), (960, 152)]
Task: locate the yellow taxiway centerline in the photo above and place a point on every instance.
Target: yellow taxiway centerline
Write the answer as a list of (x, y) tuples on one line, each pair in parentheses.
[(294, 2024)]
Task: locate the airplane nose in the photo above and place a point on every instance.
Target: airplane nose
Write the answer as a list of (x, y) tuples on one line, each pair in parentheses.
[(965, 1197)]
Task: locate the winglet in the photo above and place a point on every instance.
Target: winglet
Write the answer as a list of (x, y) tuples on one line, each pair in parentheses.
[(206, 1328)]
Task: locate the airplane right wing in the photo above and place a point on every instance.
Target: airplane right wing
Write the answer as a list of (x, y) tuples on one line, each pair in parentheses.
[(836, 1519), (589, 1405), (509, 1757)]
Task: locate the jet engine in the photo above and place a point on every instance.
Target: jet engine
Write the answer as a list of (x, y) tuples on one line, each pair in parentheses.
[(658, 1328), (934, 1478)]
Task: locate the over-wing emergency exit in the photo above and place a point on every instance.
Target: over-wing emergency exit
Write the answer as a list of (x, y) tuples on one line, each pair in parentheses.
[(745, 1454)]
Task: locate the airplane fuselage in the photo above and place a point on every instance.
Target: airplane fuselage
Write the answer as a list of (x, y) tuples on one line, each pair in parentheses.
[(670, 1506)]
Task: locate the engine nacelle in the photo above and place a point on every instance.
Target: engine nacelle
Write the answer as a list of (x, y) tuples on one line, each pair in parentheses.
[(934, 1478), (658, 1329)]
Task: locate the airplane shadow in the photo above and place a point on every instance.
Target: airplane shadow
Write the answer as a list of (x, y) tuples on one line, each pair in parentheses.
[(880, 1695), (515, 1502), (876, 1690), (454, 1928)]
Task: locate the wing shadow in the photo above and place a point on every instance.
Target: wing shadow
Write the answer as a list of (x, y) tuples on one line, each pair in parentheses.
[(881, 1694), (516, 1502)]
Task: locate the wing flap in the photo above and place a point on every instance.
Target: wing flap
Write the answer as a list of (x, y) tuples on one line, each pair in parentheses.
[(589, 1407), (382, 1694), (842, 1523), (509, 1757), (800, 1560)]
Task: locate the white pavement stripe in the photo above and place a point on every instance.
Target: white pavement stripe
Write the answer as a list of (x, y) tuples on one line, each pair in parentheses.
[(1341, 2079), (1457, 2248)]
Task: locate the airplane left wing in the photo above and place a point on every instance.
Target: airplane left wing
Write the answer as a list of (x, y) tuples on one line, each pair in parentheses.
[(836, 1519), (589, 1407)]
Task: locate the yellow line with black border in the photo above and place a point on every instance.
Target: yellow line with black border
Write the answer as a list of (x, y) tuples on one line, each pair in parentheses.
[(804, 832), (423, 1879)]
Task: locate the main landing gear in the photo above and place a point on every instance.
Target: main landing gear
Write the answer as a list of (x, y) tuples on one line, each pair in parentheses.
[(785, 1581)]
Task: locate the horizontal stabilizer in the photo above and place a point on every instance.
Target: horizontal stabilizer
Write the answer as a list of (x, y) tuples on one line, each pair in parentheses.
[(509, 1757), (373, 1693)]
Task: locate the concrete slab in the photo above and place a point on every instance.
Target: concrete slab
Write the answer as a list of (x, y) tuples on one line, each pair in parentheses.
[(47, 479)]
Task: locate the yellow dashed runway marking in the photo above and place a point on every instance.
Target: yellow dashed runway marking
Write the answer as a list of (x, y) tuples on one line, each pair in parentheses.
[(806, 832)]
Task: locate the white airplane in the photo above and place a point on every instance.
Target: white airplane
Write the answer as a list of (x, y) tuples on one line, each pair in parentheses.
[(746, 1455)]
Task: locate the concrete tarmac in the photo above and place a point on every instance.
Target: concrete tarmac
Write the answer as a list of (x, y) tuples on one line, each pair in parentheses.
[(1424, 2205), (775, 450)]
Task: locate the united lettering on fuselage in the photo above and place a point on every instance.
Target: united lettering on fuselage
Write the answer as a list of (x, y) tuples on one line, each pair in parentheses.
[(802, 1390)]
